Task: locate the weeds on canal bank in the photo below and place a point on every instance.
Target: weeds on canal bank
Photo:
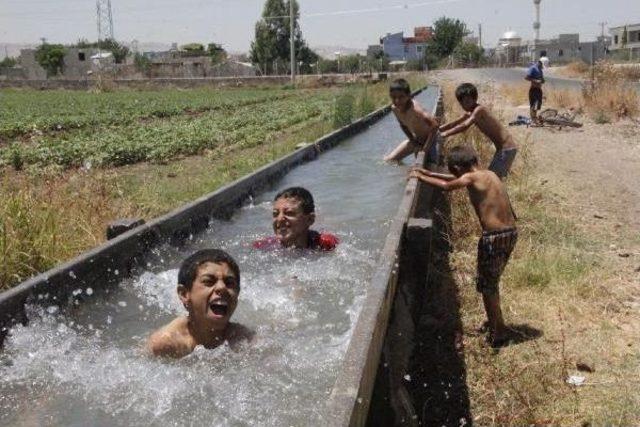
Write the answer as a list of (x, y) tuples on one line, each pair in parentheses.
[(52, 211), (559, 294)]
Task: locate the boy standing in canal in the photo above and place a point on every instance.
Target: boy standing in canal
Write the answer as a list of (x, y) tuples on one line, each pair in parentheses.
[(489, 125), (489, 198), (208, 287), (419, 126), (293, 214)]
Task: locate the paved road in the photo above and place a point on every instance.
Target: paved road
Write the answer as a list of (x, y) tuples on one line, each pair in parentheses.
[(516, 75)]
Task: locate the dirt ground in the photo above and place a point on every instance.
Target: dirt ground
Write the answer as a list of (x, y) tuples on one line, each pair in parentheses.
[(594, 171), (588, 177)]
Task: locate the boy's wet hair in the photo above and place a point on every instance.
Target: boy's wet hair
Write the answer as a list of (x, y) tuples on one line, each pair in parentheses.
[(400, 85), (302, 194), (466, 90), (462, 156), (189, 267)]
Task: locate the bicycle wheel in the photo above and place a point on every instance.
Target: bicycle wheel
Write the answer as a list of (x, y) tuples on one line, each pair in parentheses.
[(548, 113), (562, 122)]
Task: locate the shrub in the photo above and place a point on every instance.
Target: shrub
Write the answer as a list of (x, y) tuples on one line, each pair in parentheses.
[(343, 110)]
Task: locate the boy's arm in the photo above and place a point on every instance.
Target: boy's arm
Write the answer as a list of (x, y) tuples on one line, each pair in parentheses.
[(464, 181), (454, 123), (445, 176), (463, 125)]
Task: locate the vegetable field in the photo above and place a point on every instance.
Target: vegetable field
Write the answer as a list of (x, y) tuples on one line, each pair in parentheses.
[(73, 129)]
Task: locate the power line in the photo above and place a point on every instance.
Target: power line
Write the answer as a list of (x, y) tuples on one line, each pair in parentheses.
[(370, 10)]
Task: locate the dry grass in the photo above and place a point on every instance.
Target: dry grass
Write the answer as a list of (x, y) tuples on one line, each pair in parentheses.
[(49, 217), (610, 94), (556, 283), (579, 69)]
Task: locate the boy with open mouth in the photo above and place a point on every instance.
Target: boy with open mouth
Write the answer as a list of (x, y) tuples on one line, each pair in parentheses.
[(293, 215), (208, 287)]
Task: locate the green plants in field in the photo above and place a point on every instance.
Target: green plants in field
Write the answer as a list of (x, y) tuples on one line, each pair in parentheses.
[(248, 122)]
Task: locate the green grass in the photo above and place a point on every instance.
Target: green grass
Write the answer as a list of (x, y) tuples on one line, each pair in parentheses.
[(169, 146)]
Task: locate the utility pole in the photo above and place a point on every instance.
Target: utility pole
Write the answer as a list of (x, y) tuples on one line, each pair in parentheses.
[(480, 36), (104, 20), (292, 27)]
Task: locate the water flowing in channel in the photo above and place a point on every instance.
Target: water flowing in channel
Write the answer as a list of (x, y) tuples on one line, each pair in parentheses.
[(83, 364)]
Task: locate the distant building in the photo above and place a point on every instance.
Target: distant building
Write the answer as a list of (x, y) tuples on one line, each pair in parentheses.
[(568, 47), (78, 62), (399, 48), (632, 39), (511, 50)]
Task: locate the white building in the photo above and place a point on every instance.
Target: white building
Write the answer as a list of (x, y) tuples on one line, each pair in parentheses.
[(632, 37)]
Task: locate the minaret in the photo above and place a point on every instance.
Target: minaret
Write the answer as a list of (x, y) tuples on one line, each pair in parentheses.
[(536, 23)]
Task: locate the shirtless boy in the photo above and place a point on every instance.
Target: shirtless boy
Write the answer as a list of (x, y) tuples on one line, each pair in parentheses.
[(479, 115), (499, 234), (293, 215), (208, 287), (417, 124)]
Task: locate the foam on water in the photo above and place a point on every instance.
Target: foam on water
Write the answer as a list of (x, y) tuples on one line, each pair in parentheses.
[(84, 363)]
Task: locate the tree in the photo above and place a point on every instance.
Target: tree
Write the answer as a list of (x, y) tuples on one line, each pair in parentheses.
[(8, 62), (468, 53), (216, 52), (272, 38), (142, 63), (51, 58), (448, 34), (192, 49), (119, 51)]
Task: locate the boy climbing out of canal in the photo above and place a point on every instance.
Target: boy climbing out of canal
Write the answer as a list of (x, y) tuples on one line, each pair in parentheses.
[(419, 126), (293, 215), (489, 198), (208, 287), (481, 116)]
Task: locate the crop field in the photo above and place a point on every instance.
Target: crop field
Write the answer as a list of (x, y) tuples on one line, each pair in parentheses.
[(71, 129), (73, 161)]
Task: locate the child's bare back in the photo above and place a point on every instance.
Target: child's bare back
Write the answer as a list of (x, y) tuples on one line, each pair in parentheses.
[(487, 123), (490, 200), (492, 128)]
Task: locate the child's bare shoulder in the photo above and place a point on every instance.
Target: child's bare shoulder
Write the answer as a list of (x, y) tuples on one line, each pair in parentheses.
[(169, 339), (239, 332)]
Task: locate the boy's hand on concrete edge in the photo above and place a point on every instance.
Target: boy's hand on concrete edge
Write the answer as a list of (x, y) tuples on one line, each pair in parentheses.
[(420, 170)]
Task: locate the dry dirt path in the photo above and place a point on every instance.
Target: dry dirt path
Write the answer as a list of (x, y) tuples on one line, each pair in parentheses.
[(594, 170)]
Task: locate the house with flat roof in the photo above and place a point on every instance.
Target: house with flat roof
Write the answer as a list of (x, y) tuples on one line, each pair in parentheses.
[(625, 37), (397, 47)]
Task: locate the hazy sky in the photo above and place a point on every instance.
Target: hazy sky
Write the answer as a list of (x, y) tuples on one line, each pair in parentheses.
[(354, 23)]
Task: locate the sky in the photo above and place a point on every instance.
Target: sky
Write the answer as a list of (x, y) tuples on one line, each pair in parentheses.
[(353, 23)]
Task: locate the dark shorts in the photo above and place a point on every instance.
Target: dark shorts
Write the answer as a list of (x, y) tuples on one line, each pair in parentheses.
[(535, 98), (434, 155), (494, 250), (502, 161)]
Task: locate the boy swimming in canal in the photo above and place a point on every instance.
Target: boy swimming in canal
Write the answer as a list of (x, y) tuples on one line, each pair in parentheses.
[(293, 214), (489, 198), (208, 287), (481, 116), (419, 126)]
